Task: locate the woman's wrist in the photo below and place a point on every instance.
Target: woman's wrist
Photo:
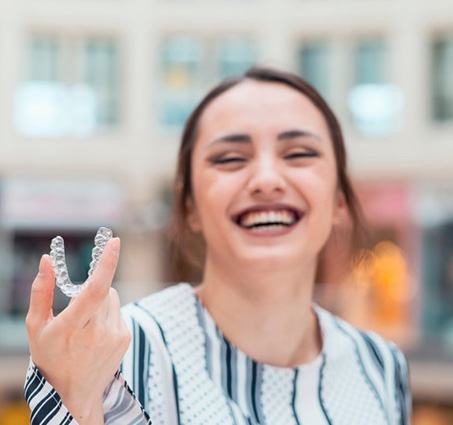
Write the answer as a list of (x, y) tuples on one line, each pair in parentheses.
[(86, 412)]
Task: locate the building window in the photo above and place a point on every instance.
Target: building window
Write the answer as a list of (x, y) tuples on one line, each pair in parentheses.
[(43, 58), (71, 87), (313, 64), (442, 79), (190, 65), (181, 75), (234, 56), (375, 104), (101, 75), (370, 62), (437, 308)]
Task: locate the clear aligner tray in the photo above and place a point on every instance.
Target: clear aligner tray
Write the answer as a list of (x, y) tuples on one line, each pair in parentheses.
[(59, 261)]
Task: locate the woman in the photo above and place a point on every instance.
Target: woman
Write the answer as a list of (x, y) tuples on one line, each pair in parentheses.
[(262, 178)]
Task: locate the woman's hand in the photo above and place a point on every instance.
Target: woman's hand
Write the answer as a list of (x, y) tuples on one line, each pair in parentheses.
[(79, 350)]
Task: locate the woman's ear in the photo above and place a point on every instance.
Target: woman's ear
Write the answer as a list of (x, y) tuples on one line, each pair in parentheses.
[(339, 208), (192, 216)]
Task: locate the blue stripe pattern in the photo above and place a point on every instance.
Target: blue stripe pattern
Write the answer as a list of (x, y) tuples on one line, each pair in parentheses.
[(320, 398), (368, 361), (363, 370), (174, 376), (374, 351), (401, 390), (294, 397)]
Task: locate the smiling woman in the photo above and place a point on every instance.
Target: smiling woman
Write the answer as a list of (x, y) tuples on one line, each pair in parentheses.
[(300, 144), (262, 182)]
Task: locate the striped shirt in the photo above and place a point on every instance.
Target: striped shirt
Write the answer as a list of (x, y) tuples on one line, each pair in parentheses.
[(180, 369)]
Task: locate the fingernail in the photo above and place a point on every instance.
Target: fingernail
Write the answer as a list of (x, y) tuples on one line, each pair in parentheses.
[(41, 264), (115, 242)]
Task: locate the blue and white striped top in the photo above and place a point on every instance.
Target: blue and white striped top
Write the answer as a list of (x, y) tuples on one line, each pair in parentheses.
[(180, 369)]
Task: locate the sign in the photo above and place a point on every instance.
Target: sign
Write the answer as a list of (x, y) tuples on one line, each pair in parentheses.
[(47, 204)]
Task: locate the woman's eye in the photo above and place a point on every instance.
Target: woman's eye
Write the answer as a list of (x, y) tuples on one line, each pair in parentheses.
[(228, 160), (296, 155)]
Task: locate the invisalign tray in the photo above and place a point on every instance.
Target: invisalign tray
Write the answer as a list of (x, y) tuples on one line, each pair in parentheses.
[(59, 261)]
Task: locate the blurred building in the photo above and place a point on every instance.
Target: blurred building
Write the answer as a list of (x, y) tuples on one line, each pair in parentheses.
[(93, 96)]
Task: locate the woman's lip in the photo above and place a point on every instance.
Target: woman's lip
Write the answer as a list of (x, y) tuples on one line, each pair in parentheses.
[(277, 231), (271, 208)]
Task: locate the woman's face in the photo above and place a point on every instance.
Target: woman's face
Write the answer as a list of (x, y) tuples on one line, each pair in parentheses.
[(264, 177)]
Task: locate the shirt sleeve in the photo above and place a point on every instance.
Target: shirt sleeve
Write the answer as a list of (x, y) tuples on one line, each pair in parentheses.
[(45, 404), (121, 407), (125, 398), (141, 392)]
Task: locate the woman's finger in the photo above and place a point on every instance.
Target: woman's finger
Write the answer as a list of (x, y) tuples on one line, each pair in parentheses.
[(104, 313), (41, 296), (108, 311), (84, 306), (114, 307)]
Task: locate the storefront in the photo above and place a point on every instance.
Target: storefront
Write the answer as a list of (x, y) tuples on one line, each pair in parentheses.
[(377, 290), (32, 212), (435, 211)]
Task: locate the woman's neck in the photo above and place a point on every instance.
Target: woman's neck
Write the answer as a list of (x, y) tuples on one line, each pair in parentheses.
[(266, 315)]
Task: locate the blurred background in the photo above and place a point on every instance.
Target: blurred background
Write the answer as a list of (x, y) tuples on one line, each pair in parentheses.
[(93, 96)]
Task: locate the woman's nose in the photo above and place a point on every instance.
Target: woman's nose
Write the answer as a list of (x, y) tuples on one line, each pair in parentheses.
[(266, 178)]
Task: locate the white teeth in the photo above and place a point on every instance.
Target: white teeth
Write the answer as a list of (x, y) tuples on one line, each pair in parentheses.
[(284, 217), (268, 227)]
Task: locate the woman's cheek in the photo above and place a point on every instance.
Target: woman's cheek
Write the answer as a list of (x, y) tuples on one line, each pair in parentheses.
[(318, 181), (216, 196), (222, 188)]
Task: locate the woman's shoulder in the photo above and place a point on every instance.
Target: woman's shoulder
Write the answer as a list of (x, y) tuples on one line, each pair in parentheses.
[(365, 355), (383, 352)]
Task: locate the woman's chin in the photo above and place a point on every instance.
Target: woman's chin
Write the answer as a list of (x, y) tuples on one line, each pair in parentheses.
[(271, 257)]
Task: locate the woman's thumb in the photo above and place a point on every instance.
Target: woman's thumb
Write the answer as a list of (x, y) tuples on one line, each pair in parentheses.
[(41, 296)]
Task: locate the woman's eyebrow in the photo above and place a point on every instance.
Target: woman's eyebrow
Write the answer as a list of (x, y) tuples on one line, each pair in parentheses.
[(293, 134), (245, 138), (232, 138)]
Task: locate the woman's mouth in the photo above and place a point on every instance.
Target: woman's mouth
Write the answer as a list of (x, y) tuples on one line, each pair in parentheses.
[(268, 222)]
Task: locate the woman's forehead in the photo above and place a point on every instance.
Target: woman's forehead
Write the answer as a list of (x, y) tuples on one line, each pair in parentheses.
[(264, 104)]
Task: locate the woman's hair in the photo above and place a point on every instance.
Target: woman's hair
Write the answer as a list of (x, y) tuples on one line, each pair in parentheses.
[(191, 246)]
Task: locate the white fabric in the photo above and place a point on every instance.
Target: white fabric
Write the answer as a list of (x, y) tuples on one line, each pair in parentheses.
[(180, 369)]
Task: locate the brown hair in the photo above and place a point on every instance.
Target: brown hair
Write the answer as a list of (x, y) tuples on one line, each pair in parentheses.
[(190, 246)]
